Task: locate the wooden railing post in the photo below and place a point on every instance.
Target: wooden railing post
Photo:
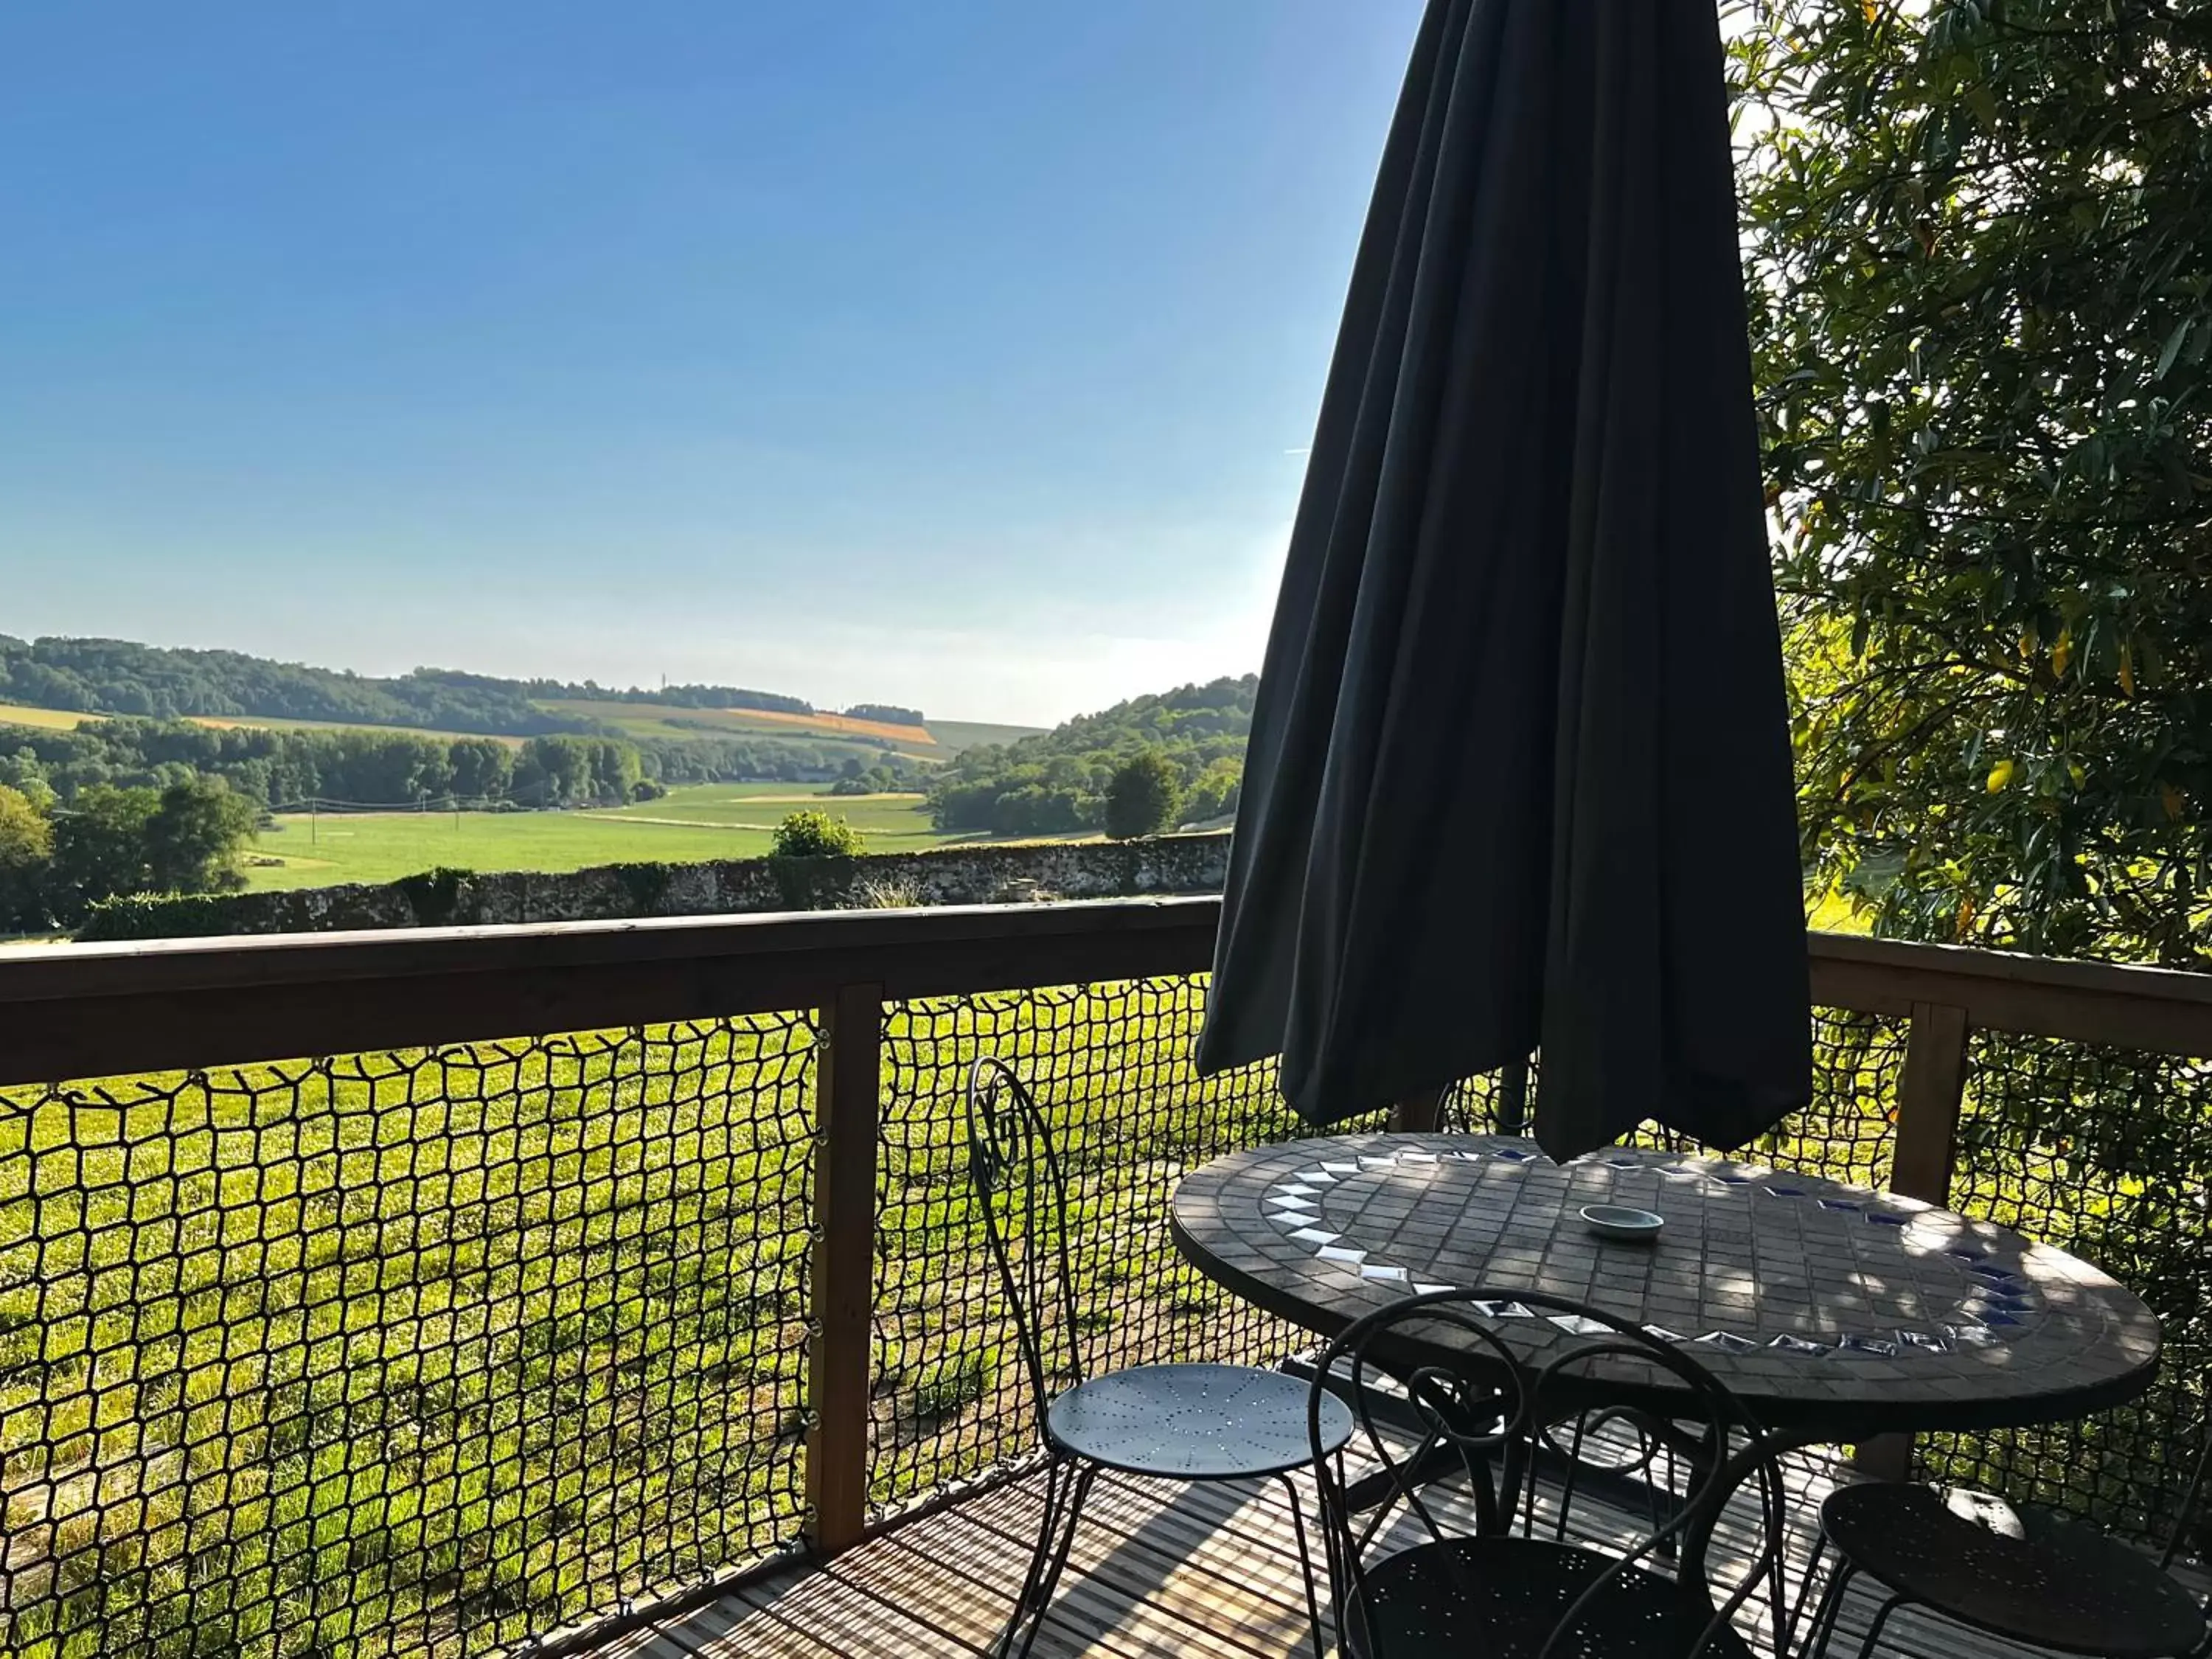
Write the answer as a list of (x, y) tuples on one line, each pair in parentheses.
[(1929, 1093), (1421, 1114), (1928, 1097), (848, 1076)]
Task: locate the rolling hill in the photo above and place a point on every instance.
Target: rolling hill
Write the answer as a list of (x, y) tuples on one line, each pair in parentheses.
[(56, 682)]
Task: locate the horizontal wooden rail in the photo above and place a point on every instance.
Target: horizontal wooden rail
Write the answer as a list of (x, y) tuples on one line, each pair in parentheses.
[(83, 1010), (2158, 1009)]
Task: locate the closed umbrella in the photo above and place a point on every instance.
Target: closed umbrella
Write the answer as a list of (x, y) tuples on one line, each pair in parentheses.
[(1519, 775)]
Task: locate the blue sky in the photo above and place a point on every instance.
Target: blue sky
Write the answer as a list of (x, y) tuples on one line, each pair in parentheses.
[(929, 351)]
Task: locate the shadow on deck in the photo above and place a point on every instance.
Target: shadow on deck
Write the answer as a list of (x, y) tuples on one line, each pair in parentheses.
[(1158, 1570)]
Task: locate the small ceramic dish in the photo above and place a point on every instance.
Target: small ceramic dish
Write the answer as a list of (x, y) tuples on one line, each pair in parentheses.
[(1622, 1224)]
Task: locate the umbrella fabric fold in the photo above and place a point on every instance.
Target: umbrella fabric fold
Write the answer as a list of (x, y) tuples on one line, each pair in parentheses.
[(1519, 775)]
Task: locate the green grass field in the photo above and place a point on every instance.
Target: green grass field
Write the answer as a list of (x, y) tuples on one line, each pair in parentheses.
[(651, 719), (956, 735), (705, 821)]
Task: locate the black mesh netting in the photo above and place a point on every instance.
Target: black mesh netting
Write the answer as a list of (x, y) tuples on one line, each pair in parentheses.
[(399, 1353), (2108, 1154), (1111, 1065)]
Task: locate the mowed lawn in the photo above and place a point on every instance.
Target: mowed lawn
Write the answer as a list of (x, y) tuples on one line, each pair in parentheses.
[(704, 821)]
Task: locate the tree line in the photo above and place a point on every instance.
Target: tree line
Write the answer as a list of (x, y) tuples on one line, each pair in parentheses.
[(59, 859), (711, 696), (121, 677), (271, 768), (1063, 780)]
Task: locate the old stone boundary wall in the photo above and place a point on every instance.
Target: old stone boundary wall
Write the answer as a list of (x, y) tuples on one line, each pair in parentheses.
[(438, 898)]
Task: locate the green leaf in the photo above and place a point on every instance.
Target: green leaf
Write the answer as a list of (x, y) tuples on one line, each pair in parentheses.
[(2174, 341)]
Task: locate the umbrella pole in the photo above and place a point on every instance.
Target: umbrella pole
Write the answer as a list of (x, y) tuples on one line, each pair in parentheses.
[(1513, 1098)]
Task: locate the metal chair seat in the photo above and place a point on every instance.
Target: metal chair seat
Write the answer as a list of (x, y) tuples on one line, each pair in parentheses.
[(2060, 1584), (1505, 1597), (1194, 1422)]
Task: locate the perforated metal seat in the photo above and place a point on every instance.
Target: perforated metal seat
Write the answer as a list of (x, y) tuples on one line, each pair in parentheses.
[(1505, 1597), (2056, 1584), (1194, 1422)]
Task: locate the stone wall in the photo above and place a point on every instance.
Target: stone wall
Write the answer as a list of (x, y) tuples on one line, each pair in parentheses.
[(989, 874)]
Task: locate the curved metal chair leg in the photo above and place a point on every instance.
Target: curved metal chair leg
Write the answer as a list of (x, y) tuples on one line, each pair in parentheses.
[(1874, 1631), (1057, 1477), (1824, 1615), (1063, 1487), (1305, 1563), (1566, 1487), (1079, 1488), (1774, 1497), (1805, 1590)]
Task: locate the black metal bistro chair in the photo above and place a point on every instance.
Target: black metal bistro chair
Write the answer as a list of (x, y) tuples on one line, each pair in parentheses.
[(2027, 1575), (1193, 1422), (1508, 1587)]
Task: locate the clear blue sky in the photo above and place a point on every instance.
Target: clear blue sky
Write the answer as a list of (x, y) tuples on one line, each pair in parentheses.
[(928, 351)]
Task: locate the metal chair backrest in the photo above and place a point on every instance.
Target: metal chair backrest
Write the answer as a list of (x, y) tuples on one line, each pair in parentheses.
[(1014, 1169), (1436, 1365), (2186, 1520)]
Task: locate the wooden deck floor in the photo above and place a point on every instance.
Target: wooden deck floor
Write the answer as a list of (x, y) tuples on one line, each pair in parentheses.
[(1159, 1570)]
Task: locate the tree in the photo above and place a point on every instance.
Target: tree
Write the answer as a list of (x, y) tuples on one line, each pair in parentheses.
[(99, 849), (815, 836), (482, 769), (1217, 792), (194, 836), (1008, 789), (1142, 797), (27, 847), (1980, 257)]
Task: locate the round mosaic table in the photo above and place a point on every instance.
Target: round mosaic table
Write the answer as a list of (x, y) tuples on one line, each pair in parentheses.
[(1824, 1309)]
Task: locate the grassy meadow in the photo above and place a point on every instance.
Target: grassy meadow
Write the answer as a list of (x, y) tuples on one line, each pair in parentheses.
[(44, 719), (937, 741), (654, 720), (699, 821)]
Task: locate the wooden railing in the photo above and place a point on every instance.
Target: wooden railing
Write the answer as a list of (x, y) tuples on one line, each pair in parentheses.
[(102, 1010)]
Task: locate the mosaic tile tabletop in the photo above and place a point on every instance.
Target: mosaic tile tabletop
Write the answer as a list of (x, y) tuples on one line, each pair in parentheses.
[(1815, 1303)]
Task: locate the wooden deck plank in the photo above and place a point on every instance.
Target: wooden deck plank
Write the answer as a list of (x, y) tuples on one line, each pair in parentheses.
[(1163, 1569), (1143, 1544), (733, 1625), (835, 1608), (1129, 1597), (977, 1620), (645, 1641)]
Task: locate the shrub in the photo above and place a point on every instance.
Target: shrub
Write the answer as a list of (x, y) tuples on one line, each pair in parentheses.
[(1142, 797), (815, 836)]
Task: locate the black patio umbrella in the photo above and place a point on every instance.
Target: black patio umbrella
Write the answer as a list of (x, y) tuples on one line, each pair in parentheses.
[(1520, 775)]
